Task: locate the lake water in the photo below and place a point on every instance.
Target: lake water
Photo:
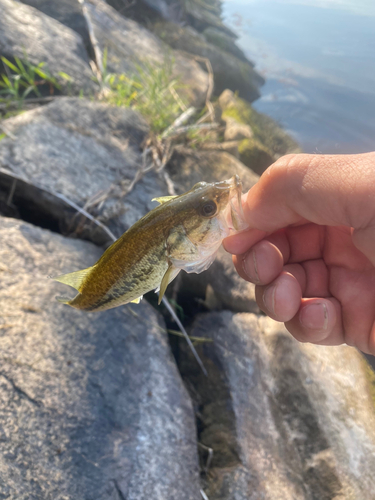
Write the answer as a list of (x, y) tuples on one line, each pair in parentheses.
[(318, 58)]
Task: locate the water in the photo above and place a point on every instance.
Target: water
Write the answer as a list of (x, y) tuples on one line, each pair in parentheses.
[(318, 58)]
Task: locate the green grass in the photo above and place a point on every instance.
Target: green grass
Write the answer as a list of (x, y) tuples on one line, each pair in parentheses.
[(22, 79), (152, 91)]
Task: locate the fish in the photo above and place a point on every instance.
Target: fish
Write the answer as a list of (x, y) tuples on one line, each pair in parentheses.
[(183, 233)]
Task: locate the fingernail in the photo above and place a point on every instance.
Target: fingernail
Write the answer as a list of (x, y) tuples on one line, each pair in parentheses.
[(249, 266), (314, 316), (269, 298)]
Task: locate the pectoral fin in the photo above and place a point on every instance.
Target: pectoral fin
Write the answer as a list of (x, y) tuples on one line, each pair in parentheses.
[(75, 279), (163, 199), (170, 275)]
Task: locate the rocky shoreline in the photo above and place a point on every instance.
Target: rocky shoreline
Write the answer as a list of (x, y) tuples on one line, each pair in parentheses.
[(112, 405)]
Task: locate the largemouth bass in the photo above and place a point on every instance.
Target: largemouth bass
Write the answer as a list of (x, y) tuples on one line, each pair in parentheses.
[(183, 233)]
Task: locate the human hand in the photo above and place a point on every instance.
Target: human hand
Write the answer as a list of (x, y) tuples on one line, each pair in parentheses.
[(311, 247)]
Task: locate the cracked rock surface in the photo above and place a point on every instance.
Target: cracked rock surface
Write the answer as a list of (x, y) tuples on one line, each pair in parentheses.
[(284, 419), (81, 149), (92, 405), (27, 31)]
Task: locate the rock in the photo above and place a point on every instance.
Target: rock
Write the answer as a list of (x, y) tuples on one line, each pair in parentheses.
[(187, 167), (67, 12), (255, 155), (269, 141), (21, 199), (144, 10), (25, 31), (206, 14), (93, 405), (284, 420), (235, 131), (130, 45), (81, 149), (229, 71), (224, 41)]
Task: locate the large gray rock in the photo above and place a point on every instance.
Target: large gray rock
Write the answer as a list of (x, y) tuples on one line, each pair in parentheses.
[(284, 419), (129, 45), (80, 148), (67, 12), (206, 14), (27, 31), (224, 41), (92, 404), (229, 71), (187, 167)]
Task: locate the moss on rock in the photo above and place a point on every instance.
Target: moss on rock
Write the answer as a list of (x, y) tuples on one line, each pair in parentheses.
[(224, 42), (254, 155), (370, 376), (270, 141)]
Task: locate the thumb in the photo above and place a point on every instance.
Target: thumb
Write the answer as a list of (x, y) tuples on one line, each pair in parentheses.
[(325, 189), (333, 190)]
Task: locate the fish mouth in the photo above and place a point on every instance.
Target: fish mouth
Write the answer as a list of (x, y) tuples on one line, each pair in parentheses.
[(233, 212)]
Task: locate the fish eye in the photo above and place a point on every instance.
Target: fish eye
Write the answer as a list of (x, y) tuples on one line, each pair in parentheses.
[(208, 209)]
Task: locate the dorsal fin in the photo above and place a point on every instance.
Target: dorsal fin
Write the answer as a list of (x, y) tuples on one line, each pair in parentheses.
[(163, 199), (75, 279)]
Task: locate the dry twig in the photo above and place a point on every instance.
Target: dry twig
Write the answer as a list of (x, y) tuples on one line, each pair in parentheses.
[(7, 132), (183, 118), (86, 214), (93, 40), (210, 87)]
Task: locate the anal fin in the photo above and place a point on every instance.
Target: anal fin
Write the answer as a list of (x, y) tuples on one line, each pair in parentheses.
[(137, 300)]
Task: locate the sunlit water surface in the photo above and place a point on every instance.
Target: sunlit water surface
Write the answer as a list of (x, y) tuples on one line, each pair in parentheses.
[(318, 58)]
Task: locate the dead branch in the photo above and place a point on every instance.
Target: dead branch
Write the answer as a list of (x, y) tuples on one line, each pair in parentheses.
[(183, 118), (181, 327), (169, 183), (202, 126), (11, 192), (86, 214), (177, 98), (7, 132), (93, 40), (203, 495), (210, 87)]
